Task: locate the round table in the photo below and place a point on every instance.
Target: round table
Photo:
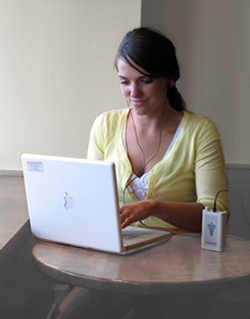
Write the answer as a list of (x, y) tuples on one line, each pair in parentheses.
[(176, 266)]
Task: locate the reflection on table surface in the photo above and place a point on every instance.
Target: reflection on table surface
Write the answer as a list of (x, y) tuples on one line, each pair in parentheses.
[(178, 265)]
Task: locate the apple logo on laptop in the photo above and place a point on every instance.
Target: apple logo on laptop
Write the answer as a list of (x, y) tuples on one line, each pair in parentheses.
[(69, 202)]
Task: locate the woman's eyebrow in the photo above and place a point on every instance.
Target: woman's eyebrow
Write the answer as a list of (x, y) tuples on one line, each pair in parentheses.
[(140, 77)]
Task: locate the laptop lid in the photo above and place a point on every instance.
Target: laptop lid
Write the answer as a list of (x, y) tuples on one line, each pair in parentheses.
[(75, 201)]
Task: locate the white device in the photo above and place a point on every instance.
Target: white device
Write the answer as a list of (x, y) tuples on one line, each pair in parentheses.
[(75, 202), (213, 234)]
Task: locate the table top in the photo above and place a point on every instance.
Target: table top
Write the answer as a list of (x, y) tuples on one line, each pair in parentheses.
[(176, 266)]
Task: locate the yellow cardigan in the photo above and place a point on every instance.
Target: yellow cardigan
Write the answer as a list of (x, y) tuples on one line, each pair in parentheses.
[(192, 171)]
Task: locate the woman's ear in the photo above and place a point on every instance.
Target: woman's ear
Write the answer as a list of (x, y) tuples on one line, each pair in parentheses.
[(171, 82)]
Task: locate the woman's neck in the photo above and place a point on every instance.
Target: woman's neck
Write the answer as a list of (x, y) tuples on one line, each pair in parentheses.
[(150, 123)]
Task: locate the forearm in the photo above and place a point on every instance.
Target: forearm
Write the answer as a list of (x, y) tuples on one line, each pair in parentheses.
[(187, 216)]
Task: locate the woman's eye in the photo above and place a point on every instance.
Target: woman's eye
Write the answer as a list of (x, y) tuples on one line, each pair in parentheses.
[(124, 82), (147, 81)]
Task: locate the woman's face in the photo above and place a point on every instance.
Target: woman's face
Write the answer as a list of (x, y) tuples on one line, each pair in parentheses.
[(145, 94)]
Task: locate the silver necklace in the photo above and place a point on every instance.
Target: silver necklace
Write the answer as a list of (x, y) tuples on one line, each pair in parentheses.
[(141, 149), (143, 154)]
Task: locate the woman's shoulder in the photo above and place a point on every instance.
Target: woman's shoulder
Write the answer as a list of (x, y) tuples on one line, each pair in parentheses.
[(110, 122), (113, 115), (199, 126), (194, 120)]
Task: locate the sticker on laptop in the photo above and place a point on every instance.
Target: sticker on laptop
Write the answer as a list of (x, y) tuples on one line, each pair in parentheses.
[(35, 167)]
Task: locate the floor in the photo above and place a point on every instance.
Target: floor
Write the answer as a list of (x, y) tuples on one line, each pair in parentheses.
[(24, 291)]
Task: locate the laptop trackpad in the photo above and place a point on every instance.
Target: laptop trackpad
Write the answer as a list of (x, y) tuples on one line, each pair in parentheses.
[(133, 235)]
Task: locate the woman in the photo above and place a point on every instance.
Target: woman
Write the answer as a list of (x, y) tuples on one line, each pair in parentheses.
[(169, 162)]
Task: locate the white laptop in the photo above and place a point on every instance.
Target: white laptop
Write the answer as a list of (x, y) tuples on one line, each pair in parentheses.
[(75, 202)]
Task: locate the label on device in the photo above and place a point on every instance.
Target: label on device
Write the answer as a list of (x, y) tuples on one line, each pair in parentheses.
[(213, 234)]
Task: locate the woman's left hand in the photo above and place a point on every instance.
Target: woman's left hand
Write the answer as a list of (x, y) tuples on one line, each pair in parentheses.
[(135, 212)]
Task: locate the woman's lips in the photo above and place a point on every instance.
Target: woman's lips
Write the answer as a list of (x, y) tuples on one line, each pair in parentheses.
[(138, 102)]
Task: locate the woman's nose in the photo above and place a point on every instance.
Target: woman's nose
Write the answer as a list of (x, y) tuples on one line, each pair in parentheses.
[(135, 90)]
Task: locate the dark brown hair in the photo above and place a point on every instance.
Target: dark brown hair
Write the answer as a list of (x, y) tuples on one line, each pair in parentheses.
[(154, 53)]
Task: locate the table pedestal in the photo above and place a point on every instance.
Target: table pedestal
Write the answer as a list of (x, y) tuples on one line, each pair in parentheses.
[(148, 307)]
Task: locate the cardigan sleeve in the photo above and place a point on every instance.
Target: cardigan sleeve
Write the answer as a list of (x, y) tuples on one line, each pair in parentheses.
[(209, 168), (96, 145)]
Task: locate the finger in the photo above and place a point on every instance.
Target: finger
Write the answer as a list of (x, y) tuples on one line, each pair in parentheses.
[(125, 224), (123, 220), (127, 221), (122, 216)]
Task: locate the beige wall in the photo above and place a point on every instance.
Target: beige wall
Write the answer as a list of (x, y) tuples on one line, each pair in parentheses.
[(56, 72), (213, 47), (57, 75)]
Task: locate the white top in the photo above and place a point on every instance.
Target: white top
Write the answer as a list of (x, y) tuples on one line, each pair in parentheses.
[(139, 185)]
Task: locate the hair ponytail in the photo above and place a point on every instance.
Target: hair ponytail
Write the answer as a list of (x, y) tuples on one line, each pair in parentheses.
[(175, 99)]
